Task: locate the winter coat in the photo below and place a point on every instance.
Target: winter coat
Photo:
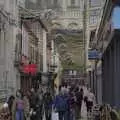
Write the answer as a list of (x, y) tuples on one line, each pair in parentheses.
[(71, 102), (61, 103), (33, 100), (79, 97)]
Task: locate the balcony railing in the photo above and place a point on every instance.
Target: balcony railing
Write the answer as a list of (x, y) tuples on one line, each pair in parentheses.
[(70, 14)]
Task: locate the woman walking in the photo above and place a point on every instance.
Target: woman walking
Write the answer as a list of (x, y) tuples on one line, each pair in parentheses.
[(19, 106)]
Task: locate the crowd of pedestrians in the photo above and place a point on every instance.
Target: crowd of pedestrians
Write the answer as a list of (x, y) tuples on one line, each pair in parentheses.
[(69, 102), (29, 105), (40, 104)]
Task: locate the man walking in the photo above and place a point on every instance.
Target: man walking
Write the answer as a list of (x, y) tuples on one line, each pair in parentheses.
[(61, 106), (79, 98)]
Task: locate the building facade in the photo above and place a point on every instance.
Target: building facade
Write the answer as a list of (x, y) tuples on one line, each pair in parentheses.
[(20, 44), (107, 42), (33, 50), (9, 21), (68, 12)]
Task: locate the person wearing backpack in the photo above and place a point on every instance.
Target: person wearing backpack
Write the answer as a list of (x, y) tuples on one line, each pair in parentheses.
[(61, 105)]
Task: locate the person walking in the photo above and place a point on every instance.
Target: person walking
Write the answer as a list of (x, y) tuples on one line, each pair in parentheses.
[(60, 105), (47, 104), (10, 102), (19, 106), (26, 106), (79, 99), (33, 104), (5, 113), (91, 101), (39, 104), (71, 106)]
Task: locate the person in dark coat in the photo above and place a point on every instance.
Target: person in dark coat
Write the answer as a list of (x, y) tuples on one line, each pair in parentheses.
[(47, 104), (33, 104), (79, 99), (10, 105), (61, 106)]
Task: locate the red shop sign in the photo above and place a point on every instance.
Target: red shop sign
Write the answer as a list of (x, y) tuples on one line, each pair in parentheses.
[(30, 69)]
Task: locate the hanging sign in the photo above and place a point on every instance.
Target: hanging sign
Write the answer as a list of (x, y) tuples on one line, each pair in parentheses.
[(30, 69)]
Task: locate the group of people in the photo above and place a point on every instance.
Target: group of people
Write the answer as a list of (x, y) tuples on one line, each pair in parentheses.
[(40, 104), (68, 103), (29, 105)]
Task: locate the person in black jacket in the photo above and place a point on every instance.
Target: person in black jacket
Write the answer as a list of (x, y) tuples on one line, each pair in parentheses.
[(47, 100), (79, 98)]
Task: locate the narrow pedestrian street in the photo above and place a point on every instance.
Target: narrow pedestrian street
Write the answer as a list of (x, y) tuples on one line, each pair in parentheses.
[(59, 59)]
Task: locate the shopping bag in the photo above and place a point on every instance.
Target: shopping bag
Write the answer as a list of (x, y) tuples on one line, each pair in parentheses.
[(55, 116)]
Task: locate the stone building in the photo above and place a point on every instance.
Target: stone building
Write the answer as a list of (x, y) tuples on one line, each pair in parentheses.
[(19, 43), (9, 75), (33, 48), (106, 41), (69, 12)]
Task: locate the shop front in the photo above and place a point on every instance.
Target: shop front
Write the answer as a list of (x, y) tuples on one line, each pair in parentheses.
[(111, 61), (30, 77), (111, 71)]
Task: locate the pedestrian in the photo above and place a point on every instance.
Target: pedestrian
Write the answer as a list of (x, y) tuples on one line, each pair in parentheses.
[(33, 99), (71, 106), (10, 102), (39, 104), (48, 104), (90, 101), (33, 104), (4, 112), (79, 99), (19, 106), (61, 105), (26, 105)]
